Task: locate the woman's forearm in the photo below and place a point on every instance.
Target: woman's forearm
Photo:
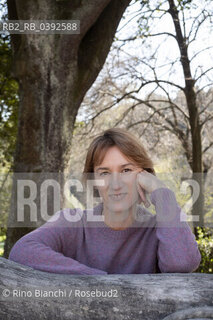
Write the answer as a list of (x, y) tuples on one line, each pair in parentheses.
[(178, 250)]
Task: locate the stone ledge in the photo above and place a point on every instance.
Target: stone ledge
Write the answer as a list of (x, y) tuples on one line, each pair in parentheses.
[(31, 294)]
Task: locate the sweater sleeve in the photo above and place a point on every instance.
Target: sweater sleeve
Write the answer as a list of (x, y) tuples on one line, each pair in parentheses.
[(42, 248), (177, 249)]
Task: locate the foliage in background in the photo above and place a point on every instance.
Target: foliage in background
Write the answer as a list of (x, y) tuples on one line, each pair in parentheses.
[(9, 100), (8, 125), (5, 192), (2, 239), (8, 106), (205, 244)]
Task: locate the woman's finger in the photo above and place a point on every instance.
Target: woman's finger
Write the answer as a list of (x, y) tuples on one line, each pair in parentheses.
[(143, 196), (141, 193)]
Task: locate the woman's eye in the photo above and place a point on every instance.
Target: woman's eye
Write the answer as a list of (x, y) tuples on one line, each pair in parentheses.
[(104, 173), (127, 170)]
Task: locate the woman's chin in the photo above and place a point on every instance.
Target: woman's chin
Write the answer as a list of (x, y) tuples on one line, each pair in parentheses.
[(120, 206)]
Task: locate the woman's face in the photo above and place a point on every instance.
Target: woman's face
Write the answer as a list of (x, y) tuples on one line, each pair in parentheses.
[(118, 173)]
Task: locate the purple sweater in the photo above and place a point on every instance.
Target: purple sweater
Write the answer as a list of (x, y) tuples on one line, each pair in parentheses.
[(88, 248)]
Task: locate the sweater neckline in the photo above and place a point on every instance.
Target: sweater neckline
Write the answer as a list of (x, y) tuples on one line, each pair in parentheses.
[(107, 231)]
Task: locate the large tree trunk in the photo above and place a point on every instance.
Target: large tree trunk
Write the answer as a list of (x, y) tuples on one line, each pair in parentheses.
[(54, 73), (189, 90), (134, 296)]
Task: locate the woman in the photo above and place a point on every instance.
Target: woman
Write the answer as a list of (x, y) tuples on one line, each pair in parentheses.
[(118, 236)]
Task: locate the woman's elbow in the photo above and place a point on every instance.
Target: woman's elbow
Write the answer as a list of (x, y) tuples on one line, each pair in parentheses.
[(197, 261), (186, 265), (193, 261), (18, 252)]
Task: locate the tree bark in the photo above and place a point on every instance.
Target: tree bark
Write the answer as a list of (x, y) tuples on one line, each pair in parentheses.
[(191, 99), (54, 73), (134, 296)]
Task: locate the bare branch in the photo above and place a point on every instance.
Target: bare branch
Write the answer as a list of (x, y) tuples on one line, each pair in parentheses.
[(206, 107), (198, 52), (205, 72), (206, 120), (207, 148), (125, 113), (147, 36), (206, 85), (163, 81), (205, 16), (172, 105)]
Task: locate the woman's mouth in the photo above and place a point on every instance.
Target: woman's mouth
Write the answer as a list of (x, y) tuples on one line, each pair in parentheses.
[(118, 196)]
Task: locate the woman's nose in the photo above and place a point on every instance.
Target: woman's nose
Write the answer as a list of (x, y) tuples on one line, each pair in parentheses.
[(115, 180)]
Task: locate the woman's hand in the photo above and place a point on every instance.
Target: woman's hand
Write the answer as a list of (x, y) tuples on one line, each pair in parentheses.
[(147, 183)]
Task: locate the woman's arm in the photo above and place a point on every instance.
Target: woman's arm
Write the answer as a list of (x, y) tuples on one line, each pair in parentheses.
[(178, 250), (42, 248)]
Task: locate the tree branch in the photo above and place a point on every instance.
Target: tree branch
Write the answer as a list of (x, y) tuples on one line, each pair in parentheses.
[(206, 120), (147, 36), (205, 72), (207, 148)]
